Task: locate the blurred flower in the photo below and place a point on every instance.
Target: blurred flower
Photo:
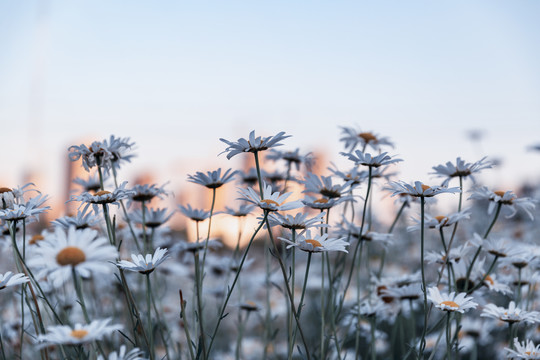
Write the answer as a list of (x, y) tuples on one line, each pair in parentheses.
[(461, 169), (194, 214), (353, 137), (523, 350), (512, 314), (212, 179), (419, 189), (440, 221), (297, 222), (103, 197), (292, 157), (134, 354), (80, 250), (23, 211), (254, 144), (81, 221), (451, 302), (243, 210), (507, 198), (11, 279), (366, 159), (147, 192), (91, 183), (152, 217), (323, 185), (79, 334), (323, 203)]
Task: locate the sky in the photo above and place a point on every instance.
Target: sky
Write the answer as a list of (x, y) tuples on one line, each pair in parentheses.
[(176, 76)]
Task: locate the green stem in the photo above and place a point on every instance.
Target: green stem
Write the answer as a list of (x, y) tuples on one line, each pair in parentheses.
[(448, 337), (186, 325), (149, 313), (424, 290)]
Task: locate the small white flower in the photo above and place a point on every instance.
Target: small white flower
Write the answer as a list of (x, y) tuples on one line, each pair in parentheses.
[(81, 221), (144, 264), (523, 350), (292, 157), (79, 334), (440, 221), (323, 185), (241, 211), (152, 217), (147, 192), (506, 198), (354, 137), (297, 222), (366, 159), (194, 214), (272, 201), (103, 197), (254, 144), (419, 189), (451, 302), (29, 209), (461, 169), (134, 354), (11, 279), (317, 243), (323, 203), (512, 314), (212, 179)]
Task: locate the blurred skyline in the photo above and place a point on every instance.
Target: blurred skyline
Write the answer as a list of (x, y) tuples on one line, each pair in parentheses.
[(177, 76)]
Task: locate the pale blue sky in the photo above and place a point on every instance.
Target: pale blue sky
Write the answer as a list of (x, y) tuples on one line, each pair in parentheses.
[(175, 76)]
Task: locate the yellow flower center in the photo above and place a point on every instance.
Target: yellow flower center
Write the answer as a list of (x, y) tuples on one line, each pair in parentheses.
[(270, 202), (35, 239), (441, 219), (70, 255), (451, 304), (321, 201), (500, 193), (102, 192), (425, 187), (489, 279), (5, 190), (315, 243), (79, 333), (367, 136)]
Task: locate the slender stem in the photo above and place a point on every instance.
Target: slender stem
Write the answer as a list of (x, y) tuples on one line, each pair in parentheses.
[(198, 290), (149, 313), (186, 325), (497, 212), (147, 244), (209, 228), (258, 167), (448, 337), (424, 290), (373, 349), (78, 290)]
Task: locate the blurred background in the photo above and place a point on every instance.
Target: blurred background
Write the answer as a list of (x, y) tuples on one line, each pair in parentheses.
[(440, 79)]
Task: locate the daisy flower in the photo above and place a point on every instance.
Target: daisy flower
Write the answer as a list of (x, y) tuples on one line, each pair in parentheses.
[(323, 203), (317, 243), (454, 255), (494, 285), (81, 221), (451, 302), (79, 334), (194, 214), (26, 210), (144, 264), (241, 211), (407, 292), (7, 198), (272, 201), (249, 306), (506, 198), (103, 197), (512, 314), (292, 157), (323, 185), (147, 192), (253, 144), (96, 154), (62, 251), (354, 175), (11, 279), (461, 169), (523, 350), (353, 138), (91, 183), (419, 189), (134, 354), (366, 159), (152, 217), (440, 221), (212, 179), (119, 148), (297, 222)]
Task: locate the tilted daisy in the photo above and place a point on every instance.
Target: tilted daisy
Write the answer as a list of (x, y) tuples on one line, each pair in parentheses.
[(523, 350), (318, 243), (120, 150), (354, 137), (29, 209), (81, 221), (79, 334), (147, 192), (323, 203), (11, 279), (292, 158), (194, 214), (451, 302), (103, 197), (512, 314), (272, 201), (407, 292), (366, 159), (454, 256), (81, 250), (299, 221), (419, 189), (440, 221), (212, 179), (460, 169), (134, 354), (506, 198), (152, 217), (324, 186), (253, 144), (144, 264), (250, 177)]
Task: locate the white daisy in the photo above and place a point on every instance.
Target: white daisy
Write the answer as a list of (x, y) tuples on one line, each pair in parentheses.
[(419, 189), (506, 198), (366, 159), (144, 264), (354, 137), (440, 221), (253, 144), (194, 214), (11, 279), (323, 185), (272, 201), (317, 243), (79, 334), (212, 179), (241, 211), (81, 221), (451, 302), (292, 157), (297, 222), (147, 192), (152, 217), (512, 314), (523, 350), (323, 203), (104, 153), (134, 354), (103, 197), (29, 209), (461, 169), (91, 183), (81, 250)]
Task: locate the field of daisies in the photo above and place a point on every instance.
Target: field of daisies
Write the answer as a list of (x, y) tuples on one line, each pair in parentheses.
[(315, 273)]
